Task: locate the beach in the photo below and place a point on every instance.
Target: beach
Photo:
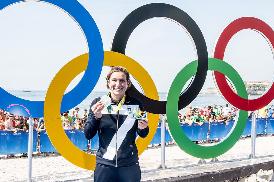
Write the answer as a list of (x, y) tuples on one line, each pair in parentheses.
[(178, 163)]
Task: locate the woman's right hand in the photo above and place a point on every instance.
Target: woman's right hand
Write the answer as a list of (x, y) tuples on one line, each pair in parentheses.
[(97, 109)]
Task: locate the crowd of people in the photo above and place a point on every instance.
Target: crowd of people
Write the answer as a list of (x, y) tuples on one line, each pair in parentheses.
[(215, 113), (76, 118), (70, 120), (199, 115), (14, 123)]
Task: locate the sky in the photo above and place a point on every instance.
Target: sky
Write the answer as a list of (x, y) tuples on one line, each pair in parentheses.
[(37, 39)]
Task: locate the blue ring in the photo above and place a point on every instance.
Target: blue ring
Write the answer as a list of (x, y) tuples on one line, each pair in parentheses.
[(92, 73)]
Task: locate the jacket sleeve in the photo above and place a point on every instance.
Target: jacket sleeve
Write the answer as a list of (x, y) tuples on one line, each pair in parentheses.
[(143, 132), (92, 124)]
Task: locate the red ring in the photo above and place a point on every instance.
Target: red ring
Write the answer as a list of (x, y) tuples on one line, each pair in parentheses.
[(228, 93)]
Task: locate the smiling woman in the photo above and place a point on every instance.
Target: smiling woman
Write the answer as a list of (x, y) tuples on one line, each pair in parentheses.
[(117, 156)]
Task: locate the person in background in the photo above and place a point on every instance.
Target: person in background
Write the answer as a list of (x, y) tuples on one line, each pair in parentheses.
[(9, 123), (2, 121)]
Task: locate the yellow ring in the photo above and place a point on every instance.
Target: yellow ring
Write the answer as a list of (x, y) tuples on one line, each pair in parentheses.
[(55, 94)]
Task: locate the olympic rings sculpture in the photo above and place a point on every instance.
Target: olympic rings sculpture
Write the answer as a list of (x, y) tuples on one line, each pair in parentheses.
[(92, 65)]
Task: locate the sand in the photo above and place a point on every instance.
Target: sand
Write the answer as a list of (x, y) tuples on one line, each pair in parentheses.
[(56, 168)]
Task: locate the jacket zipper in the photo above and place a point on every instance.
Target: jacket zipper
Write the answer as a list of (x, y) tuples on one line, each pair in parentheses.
[(116, 162)]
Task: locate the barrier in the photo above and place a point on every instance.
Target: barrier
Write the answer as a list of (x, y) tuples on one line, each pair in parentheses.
[(219, 130), (13, 143), (45, 144), (157, 137), (168, 136), (247, 130), (95, 142), (196, 132), (270, 127), (261, 126), (78, 138)]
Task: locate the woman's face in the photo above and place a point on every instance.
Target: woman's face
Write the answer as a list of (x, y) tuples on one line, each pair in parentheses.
[(118, 84)]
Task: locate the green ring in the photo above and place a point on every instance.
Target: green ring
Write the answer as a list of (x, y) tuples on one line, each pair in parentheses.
[(177, 133)]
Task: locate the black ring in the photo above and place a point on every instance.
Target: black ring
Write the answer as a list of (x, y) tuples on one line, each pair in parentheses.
[(146, 12)]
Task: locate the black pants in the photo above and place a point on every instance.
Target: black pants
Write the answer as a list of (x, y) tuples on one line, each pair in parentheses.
[(105, 173)]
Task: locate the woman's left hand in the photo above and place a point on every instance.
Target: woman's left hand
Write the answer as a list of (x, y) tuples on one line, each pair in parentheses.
[(142, 124)]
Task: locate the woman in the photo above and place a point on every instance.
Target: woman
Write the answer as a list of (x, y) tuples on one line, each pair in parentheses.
[(116, 123)]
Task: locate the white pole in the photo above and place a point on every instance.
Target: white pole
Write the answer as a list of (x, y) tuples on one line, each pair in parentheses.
[(253, 135), (30, 148), (163, 142)]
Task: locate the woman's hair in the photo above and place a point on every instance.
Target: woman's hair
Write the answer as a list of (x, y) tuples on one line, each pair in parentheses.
[(118, 69)]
